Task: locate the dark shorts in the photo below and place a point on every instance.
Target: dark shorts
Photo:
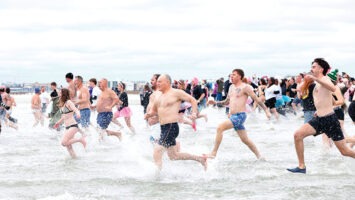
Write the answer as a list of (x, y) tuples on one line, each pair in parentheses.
[(104, 119), (270, 103), (168, 135), (339, 112), (84, 117), (351, 111), (329, 125), (238, 120)]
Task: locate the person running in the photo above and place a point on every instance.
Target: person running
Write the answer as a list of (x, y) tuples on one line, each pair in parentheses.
[(306, 94), (325, 120), (237, 97), (67, 108), (82, 102), (106, 101), (71, 86), (271, 92), (166, 106), (36, 108), (123, 110), (45, 98)]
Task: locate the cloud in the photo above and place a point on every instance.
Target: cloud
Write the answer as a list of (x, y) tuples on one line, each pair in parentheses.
[(134, 39)]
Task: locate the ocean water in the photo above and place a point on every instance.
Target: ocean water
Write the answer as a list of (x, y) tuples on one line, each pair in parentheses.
[(34, 165)]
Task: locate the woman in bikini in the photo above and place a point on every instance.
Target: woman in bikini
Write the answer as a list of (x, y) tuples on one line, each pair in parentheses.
[(68, 109)]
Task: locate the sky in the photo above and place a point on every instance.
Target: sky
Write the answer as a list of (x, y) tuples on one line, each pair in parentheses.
[(41, 40)]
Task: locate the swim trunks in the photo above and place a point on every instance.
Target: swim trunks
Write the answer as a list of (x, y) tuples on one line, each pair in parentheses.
[(104, 119), (168, 135), (238, 120), (329, 125)]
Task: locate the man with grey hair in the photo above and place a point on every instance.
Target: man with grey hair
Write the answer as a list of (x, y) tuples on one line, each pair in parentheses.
[(82, 102), (166, 105)]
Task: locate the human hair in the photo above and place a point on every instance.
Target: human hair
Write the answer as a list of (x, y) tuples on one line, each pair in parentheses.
[(156, 76), (240, 72), (64, 97), (93, 80), (79, 78), (54, 84), (324, 64), (182, 83), (7, 90), (168, 78), (69, 75), (305, 86), (123, 85), (272, 81)]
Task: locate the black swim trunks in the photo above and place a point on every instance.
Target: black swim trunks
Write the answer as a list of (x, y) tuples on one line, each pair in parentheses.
[(339, 112), (168, 135), (329, 125)]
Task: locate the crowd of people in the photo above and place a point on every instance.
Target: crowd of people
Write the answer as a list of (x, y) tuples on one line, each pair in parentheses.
[(322, 96)]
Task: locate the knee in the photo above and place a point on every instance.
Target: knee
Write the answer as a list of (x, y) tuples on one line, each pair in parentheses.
[(298, 136), (220, 129)]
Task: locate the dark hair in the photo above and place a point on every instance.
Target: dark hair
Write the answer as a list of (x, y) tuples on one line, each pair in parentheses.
[(272, 80), (64, 97), (156, 76), (7, 90), (263, 81), (324, 64), (54, 84), (69, 75), (123, 85), (240, 72), (2, 89), (93, 80)]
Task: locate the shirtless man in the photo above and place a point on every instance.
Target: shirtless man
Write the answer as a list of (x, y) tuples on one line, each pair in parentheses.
[(153, 81), (71, 86), (325, 120), (106, 101), (237, 97), (36, 108), (166, 106), (82, 102)]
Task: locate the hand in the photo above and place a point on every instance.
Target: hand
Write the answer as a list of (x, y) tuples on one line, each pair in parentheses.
[(193, 116), (56, 125), (78, 116)]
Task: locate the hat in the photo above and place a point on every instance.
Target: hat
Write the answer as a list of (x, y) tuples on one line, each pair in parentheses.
[(37, 90), (333, 75)]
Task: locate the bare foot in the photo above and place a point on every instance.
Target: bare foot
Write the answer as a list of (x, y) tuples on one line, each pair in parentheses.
[(212, 155), (204, 162)]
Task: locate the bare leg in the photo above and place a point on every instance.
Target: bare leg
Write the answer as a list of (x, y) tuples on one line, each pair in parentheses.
[(304, 131), (274, 111), (158, 156), (344, 149), (114, 133), (219, 136), (128, 122), (68, 140), (244, 137), (115, 121), (174, 155), (326, 141)]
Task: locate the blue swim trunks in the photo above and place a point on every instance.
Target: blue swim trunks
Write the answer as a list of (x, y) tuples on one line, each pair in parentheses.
[(104, 119), (84, 117), (238, 120)]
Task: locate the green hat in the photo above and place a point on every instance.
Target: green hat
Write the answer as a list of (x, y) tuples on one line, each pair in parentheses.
[(333, 75)]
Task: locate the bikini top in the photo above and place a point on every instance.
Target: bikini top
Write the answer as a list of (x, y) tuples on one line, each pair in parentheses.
[(65, 110)]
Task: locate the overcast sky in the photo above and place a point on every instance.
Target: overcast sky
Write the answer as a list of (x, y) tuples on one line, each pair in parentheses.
[(42, 40)]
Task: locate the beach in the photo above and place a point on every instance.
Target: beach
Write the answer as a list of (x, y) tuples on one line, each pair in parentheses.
[(34, 165)]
